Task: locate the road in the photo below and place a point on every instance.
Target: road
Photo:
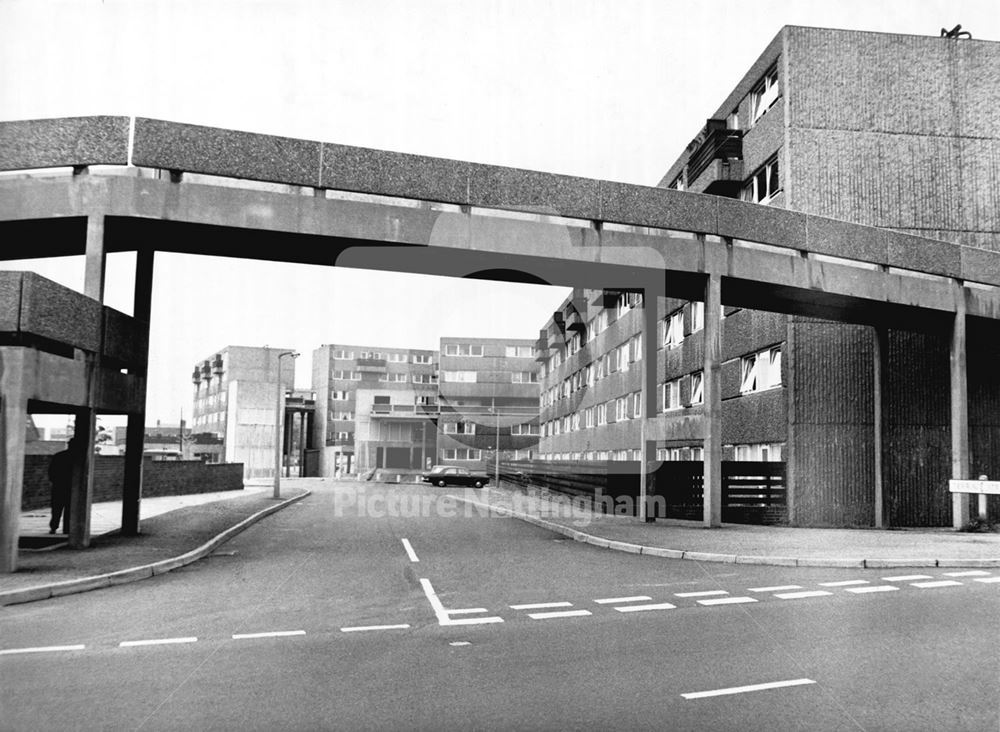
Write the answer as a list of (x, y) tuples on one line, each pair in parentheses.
[(334, 614)]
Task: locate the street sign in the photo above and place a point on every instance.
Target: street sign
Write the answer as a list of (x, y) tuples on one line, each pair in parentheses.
[(991, 487)]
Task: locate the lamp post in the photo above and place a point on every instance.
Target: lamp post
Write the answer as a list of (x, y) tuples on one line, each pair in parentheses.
[(279, 413)]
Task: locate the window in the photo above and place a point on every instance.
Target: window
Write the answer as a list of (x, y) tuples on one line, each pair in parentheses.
[(460, 428), (602, 367), (342, 354), (635, 347), (524, 377), (460, 454), (345, 415), (678, 184), (764, 184), (637, 404), (588, 417), (339, 396), (397, 358), (425, 401), (465, 377), (374, 355), (575, 422), (519, 352), (673, 332), (764, 94), (672, 395), (602, 322), (424, 378), (697, 316), (524, 429), (622, 357), (421, 358), (759, 452), (760, 371), (462, 349), (602, 414), (621, 409), (574, 344), (347, 375), (345, 436), (697, 388), (626, 301), (394, 378)]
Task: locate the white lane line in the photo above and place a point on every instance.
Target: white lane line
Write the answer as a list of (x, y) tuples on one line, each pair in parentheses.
[(799, 595), (705, 593), (157, 642), (540, 605), (641, 608), (270, 634), (936, 583), (727, 601), (967, 573), (360, 628), (614, 600), (908, 578), (744, 689), (776, 588), (460, 643), (987, 580), (872, 588), (466, 610), (559, 614), (41, 649), (843, 583), (443, 616), (409, 550)]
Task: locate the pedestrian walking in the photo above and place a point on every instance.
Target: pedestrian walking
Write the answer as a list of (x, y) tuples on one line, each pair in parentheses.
[(61, 477)]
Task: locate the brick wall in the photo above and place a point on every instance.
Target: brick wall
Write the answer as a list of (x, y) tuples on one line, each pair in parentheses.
[(159, 478)]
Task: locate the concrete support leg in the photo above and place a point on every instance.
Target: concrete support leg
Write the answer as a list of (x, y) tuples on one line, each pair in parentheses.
[(712, 408), (647, 483), (959, 409), (93, 281), (13, 422), (81, 491), (879, 348)]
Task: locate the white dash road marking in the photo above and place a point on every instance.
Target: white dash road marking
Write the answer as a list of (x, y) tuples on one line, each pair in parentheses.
[(443, 616), (642, 608), (800, 595), (41, 649), (540, 605), (271, 634), (705, 593), (908, 578), (776, 588), (843, 583), (615, 600), (467, 610), (157, 642), (745, 689), (872, 588), (559, 614), (460, 643), (409, 550), (987, 580), (967, 573), (727, 600), (362, 628), (935, 583)]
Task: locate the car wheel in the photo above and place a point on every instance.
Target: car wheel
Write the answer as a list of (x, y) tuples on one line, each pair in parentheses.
[(479, 484), (441, 483)]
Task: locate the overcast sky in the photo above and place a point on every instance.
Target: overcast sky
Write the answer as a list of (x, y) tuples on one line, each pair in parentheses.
[(610, 89)]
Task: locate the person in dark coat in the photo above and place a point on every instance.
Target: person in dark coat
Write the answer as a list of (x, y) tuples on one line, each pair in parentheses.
[(61, 476)]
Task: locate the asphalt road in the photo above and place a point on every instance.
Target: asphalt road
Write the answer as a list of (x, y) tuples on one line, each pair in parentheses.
[(361, 612)]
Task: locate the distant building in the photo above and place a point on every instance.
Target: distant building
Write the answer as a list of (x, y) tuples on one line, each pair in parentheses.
[(489, 400), (235, 401), (376, 407)]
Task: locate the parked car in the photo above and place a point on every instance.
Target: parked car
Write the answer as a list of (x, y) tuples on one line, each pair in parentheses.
[(442, 475)]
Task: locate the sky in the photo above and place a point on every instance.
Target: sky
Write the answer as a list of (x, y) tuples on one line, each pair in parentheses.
[(611, 89)]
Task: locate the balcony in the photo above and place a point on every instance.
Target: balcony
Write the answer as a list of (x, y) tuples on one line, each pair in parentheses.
[(718, 151), (404, 411), (372, 365)]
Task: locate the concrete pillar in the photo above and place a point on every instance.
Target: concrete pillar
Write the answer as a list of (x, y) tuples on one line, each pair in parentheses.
[(959, 409), (83, 479), (712, 408), (650, 322), (879, 354), (13, 422), (93, 280), (135, 430)]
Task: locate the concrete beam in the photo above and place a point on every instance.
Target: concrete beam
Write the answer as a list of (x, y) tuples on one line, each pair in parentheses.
[(93, 281), (959, 408)]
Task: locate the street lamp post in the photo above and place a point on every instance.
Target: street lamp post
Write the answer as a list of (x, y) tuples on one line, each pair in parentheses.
[(279, 414)]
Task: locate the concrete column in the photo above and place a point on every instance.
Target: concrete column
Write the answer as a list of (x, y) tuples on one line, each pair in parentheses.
[(13, 422), (959, 409), (93, 281), (650, 321), (83, 479), (712, 408), (135, 429), (880, 352)]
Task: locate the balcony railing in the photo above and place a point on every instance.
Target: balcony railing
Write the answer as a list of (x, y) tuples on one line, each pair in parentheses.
[(717, 142)]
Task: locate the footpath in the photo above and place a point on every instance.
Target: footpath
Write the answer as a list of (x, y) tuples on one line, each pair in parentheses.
[(179, 530)]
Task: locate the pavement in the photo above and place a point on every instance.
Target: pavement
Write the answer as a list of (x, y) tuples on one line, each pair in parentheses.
[(178, 530)]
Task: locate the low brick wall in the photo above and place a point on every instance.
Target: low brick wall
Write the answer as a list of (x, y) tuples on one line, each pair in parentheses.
[(159, 478)]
